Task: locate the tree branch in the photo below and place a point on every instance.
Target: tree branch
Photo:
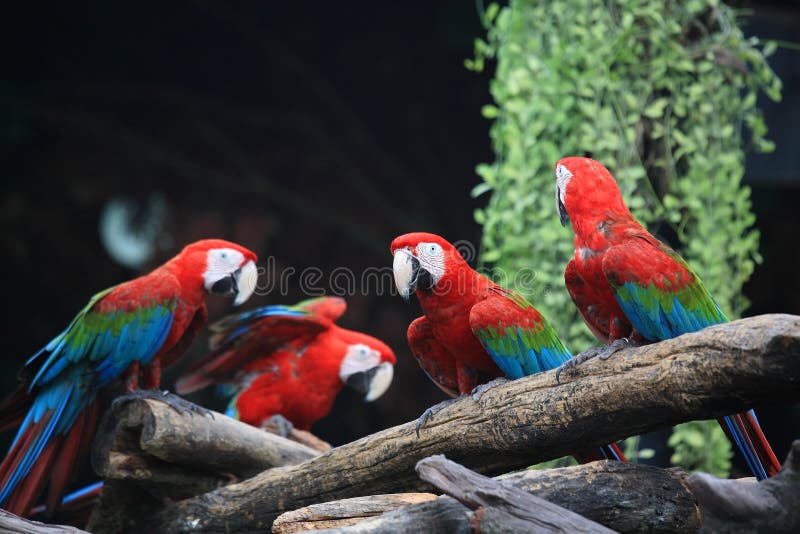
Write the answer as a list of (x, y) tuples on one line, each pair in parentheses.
[(12, 524), (626, 497), (723, 369), (501, 507)]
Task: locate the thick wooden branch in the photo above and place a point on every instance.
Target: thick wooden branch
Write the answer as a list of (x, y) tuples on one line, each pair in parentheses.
[(625, 497), (501, 507), (12, 524), (344, 512), (147, 450), (139, 437), (771, 505), (723, 369)]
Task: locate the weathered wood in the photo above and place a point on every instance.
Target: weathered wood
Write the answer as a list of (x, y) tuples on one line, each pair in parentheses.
[(444, 515), (12, 524), (721, 370), (146, 451), (344, 512), (501, 507), (216, 443), (771, 505), (625, 497)]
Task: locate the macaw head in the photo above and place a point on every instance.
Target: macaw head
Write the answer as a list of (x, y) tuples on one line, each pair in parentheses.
[(368, 365), (585, 189), (220, 267), (421, 260)]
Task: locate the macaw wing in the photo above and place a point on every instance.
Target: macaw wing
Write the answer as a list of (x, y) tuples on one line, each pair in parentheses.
[(432, 356), (657, 289), (516, 336), (111, 332), (586, 299), (114, 330), (239, 339)]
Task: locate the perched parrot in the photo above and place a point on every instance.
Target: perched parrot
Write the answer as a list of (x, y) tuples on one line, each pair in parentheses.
[(631, 287), (142, 324), (290, 361), (472, 329)]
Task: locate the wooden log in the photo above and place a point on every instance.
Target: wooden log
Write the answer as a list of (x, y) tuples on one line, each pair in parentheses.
[(444, 515), (12, 524), (625, 497), (720, 370), (771, 505), (147, 451), (140, 437), (501, 507), (344, 512)]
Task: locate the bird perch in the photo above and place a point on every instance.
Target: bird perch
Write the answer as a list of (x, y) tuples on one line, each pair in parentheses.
[(720, 370)]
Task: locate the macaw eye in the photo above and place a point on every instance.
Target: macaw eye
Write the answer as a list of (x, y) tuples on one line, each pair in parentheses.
[(224, 255), (432, 249)]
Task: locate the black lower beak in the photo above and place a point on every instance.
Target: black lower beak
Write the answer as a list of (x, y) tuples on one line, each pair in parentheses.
[(228, 285), (362, 380), (562, 211)]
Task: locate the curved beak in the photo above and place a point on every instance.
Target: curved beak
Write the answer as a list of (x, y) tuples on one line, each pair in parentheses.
[(562, 211), (245, 280), (406, 268), (373, 382)]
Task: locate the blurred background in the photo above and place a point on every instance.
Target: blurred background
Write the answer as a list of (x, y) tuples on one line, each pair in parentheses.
[(313, 133)]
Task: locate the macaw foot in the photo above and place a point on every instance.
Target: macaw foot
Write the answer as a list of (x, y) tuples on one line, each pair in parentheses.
[(278, 424), (480, 389), (179, 404), (433, 410), (603, 352)]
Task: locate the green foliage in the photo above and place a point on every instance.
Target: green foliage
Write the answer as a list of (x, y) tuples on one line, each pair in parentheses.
[(663, 92), (701, 446)]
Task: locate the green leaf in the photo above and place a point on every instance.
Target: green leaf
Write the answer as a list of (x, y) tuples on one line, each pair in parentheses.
[(655, 109)]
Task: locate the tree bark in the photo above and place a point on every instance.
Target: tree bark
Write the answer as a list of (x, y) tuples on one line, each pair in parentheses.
[(345, 512), (148, 452), (625, 497), (12, 524), (501, 507), (155, 434), (720, 370), (772, 505)]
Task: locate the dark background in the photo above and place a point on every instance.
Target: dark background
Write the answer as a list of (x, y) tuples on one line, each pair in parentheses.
[(311, 132)]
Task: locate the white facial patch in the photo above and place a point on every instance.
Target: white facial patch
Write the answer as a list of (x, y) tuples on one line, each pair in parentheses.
[(563, 177), (431, 258), (359, 358), (221, 262)]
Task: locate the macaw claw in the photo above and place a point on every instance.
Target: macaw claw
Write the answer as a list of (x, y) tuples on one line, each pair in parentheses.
[(430, 412), (480, 389), (278, 424), (603, 352)]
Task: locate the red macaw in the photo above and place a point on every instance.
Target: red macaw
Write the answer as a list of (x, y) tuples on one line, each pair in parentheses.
[(629, 285), (290, 361), (472, 329), (142, 324)]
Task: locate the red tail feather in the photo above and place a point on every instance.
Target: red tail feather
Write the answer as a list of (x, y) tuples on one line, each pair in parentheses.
[(755, 439), (68, 455), (764, 450), (29, 488)]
